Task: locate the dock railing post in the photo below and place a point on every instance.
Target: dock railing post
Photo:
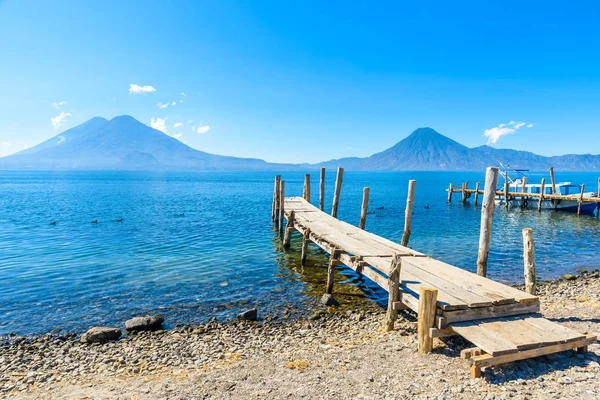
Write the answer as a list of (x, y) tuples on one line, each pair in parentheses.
[(408, 212), (487, 212), (580, 199), (542, 190), (450, 188), (281, 203), (426, 318), (336, 193), (476, 193), (523, 198), (322, 189), (364, 209), (305, 241), (393, 291), (306, 193), (529, 260), (506, 190), (333, 260), (465, 186), (275, 208), (551, 169), (287, 237)]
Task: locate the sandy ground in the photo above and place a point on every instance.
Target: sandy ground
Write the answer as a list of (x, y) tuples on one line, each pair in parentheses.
[(340, 355)]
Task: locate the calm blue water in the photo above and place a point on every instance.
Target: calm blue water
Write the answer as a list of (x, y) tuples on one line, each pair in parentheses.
[(222, 256)]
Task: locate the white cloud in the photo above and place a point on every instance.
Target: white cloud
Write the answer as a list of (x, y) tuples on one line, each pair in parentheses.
[(5, 143), (60, 119), (161, 105), (182, 93), (177, 135), (137, 89), (493, 134), (159, 124), (203, 129), (58, 104), (177, 124), (174, 103)]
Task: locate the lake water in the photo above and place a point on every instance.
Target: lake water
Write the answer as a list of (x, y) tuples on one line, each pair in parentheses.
[(222, 255)]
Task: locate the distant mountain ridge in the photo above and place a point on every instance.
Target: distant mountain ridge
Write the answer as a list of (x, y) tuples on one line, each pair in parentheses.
[(123, 143), (427, 150)]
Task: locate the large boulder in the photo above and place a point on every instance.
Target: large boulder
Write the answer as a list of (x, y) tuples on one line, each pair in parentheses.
[(145, 323), (100, 334), (329, 300)]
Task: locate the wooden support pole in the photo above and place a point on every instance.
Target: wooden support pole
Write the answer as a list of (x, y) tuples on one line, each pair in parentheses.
[(529, 260), (476, 193), (333, 260), (450, 188), (551, 169), (408, 212), (523, 197), (306, 194), (542, 190), (580, 199), (275, 208), (305, 241), (336, 193), (322, 190), (464, 192), (281, 202), (364, 209), (506, 190), (487, 212), (426, 318), (287, 237), (598, 204), (393, 291)]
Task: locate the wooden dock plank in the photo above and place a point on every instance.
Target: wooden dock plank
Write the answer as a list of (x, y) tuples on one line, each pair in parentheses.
[(489, 341)]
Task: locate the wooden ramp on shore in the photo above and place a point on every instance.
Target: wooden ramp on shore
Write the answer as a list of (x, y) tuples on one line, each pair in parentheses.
[(503, 322)]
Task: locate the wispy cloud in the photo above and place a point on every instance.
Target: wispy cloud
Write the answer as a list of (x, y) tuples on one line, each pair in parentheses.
[(183, 94), (59, 104), (493, 134), (137, 89), (177, 135), (202, 128), (60, 119), (161, 105), (159, 124), (177, 124)]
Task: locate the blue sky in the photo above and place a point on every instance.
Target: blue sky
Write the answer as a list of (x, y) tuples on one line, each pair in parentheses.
[(306, 81)]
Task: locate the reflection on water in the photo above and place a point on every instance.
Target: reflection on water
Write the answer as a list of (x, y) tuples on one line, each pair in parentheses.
[(199, 244)]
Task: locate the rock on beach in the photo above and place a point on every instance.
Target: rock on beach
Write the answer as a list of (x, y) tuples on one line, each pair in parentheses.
[(100, 334), (145, 323), (249, 315)]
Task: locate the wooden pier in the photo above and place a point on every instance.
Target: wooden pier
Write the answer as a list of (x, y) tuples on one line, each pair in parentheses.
[(502, 322)]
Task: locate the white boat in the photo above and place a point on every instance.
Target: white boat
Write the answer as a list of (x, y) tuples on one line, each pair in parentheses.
[(562, 188)]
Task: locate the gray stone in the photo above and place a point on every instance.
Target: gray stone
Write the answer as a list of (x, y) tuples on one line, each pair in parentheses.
[(100, 334), (249, 315), (329, 300), (146, 323), (569, 277)]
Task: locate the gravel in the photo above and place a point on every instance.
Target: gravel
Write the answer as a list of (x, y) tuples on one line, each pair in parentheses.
[(340, 354)]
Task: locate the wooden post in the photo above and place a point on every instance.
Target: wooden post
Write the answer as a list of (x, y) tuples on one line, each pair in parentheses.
[(542, 190), (450, 193), (580, 199), (275, 208), (364, 209), (551, 169), (408, 212), (305, 240), (506, 190), (523, 198), (322, 190), (426, 318), (331, 269), (529, 260), (598, 204), (281, 202), (336, 193), (287, 237), (306, 194), (487, 212), (394, 292), (464, 192), (476, 193)]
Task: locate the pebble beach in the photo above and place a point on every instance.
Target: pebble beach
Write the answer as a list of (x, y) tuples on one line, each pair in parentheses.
[(330, 354)]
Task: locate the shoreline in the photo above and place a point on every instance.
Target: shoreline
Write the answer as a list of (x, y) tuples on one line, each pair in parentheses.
[(331, 345)]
